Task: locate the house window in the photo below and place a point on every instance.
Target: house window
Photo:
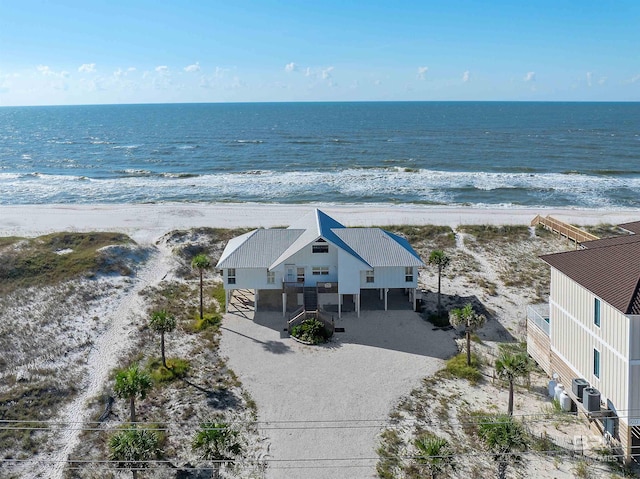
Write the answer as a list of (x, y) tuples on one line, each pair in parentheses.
[(369, 276), (596, 312), (300, 275), (596, 363), (320, 248), (231, 276), (271, 277), (408, 274), (320, 270)]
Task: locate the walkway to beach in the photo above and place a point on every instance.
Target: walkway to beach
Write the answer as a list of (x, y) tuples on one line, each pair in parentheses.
[(326, 405)]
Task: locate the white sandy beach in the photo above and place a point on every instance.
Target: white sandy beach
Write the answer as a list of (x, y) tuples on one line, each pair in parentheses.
[(147, 222)]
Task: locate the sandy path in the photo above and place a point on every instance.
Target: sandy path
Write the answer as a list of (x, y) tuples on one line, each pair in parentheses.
[(325, 406), (107, 351)]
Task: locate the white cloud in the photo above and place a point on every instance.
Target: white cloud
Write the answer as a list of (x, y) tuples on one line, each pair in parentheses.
[(192, 68), (602, 80), (220, 72), (307, 72), (46, 71), (377, 82), (120, 73), (589, 78), (466, 76), (87, 68), (326, 73), (422, 72), (635, 79), (162, 69), (530, 76), (291, 67)]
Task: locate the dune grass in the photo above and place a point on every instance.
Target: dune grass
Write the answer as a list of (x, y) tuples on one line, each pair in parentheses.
[(53, 258)]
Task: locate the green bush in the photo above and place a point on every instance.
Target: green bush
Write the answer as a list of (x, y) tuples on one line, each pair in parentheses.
[(160, 374), (210, 320), (457, 366), (440, 320), (310, 331), (219, 295)]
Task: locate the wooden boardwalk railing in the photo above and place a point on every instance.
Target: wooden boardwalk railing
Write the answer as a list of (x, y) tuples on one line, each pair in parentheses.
[(571, 232)]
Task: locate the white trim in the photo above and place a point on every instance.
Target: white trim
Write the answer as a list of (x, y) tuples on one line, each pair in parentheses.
[(581, 324)]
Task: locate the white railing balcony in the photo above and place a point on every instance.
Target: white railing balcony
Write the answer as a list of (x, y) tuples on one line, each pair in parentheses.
[(538, 314)]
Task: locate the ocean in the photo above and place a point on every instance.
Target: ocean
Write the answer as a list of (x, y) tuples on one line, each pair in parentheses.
[(495, 154)]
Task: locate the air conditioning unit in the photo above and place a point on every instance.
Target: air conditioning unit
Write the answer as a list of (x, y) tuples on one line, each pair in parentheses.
[(591, 399), (577, 386)]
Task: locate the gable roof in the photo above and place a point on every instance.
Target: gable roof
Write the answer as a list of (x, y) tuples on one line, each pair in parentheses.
[(609, 268), (316, 225), (268, 248)]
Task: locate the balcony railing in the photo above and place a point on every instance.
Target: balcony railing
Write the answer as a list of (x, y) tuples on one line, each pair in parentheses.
[(538, 314)]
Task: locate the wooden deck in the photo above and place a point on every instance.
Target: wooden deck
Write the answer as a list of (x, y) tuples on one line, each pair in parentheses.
[(571, 232)]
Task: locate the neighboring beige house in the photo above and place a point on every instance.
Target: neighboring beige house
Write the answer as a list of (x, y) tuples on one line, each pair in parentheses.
[(591, 331), (319, 263)]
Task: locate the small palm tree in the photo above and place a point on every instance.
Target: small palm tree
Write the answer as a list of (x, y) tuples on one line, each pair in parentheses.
[(131, 448), (201, 262), (441, 260), (509, 367), (505, 438), (131, 383), (435, 454), (471, 320), (216, 441), (162, 322)]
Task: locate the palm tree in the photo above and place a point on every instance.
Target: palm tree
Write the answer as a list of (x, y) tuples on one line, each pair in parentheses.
[(509, 367), (132, 383), (130, 448), (441, 260), (504, 437), (162, 322), (217, 442), (201, 262), (470, 319), (435, 454)]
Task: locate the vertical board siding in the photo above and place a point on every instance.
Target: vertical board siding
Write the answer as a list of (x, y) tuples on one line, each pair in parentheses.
[(574, 335), (538, 346)]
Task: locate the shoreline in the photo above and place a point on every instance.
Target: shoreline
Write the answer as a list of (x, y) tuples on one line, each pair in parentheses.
[(147, 222)]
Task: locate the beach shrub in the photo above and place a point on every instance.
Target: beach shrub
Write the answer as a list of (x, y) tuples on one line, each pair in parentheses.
[(210, 320), (457, 367), (178, 368), (440, 320), (310, 331), (220, 296)]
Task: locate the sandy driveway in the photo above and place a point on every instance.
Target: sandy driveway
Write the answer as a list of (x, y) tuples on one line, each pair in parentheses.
[(323, 407)]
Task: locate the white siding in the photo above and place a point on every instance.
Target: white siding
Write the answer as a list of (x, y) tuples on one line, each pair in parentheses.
[(634, 337), (252, 278), (574, 336), (349, 273), (306, 259), (387, 277)]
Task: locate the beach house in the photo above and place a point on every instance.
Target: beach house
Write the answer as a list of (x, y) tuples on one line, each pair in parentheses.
[(318, 263), (588, 336)]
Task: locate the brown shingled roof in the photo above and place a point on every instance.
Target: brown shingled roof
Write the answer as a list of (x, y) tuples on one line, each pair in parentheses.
[(633, 226), (610, 271)]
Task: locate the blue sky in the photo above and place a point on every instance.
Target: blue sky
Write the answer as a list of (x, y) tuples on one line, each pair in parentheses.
[(135, 51)]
